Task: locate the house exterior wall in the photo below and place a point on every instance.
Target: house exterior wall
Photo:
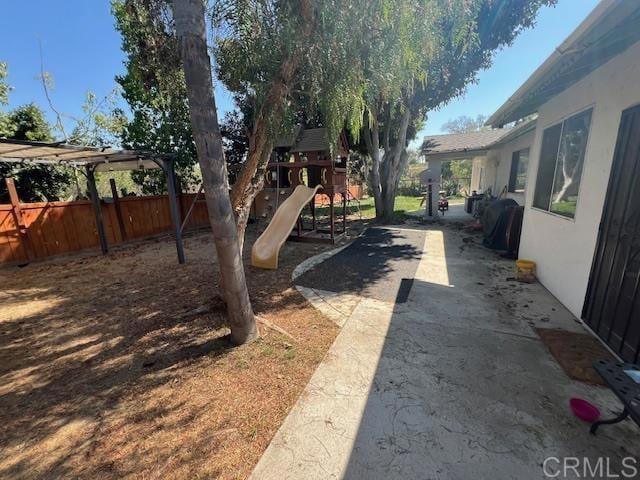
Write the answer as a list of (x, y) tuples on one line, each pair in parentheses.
[(563, 248), (502, 156), (433, 171), (479, 167)]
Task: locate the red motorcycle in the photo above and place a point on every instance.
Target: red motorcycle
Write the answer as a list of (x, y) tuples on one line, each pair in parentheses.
[(443, 203)]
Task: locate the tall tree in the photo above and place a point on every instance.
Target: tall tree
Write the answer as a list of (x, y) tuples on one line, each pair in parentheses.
[(465, 124), (273, 56), (279, 58), (235, 142), (190, 27), (154, 88), (440, 48), (4, 99), (34, 183)]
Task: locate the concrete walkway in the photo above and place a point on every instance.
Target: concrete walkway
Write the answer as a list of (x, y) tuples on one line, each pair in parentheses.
[(453, 383)]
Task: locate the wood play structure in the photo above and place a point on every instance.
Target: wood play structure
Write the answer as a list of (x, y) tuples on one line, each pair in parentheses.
[(302, 171)]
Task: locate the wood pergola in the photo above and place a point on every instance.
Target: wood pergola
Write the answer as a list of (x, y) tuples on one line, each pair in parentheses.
[(89, 160)]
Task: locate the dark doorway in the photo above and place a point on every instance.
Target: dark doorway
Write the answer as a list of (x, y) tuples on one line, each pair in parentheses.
[(612, 305)]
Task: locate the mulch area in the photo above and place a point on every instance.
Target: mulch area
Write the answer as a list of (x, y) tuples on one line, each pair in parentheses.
[(120, 366), (575, 353)]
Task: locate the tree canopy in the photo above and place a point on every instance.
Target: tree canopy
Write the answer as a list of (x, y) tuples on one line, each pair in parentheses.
[(465, 124), (433, 50), (374, 66), (153, 87), (33, 182)]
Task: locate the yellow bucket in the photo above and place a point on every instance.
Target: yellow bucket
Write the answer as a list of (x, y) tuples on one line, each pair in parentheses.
[(526, 271)]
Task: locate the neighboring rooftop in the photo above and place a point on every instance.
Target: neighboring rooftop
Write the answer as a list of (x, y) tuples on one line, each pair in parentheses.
[(610, 29), (469, 142), (472, 143)]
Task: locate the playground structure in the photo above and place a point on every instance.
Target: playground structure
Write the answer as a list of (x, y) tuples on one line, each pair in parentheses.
[(303, 159), (264, 253)]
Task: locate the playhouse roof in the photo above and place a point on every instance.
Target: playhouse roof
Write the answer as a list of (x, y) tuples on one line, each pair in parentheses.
[(305, 140)]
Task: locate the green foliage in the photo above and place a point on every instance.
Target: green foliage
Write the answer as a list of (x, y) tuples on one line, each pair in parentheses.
[(235, 142), (439, 49), (33, 182), (29, 123), (260, 43), (465, 124), (420, 55), (4, 86), (102, 124), (153, 86), (338, 62), (5, 126), (457, 169), (124, 184)]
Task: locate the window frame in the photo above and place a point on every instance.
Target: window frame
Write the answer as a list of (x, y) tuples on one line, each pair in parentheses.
[(561, 121), (513, 174)]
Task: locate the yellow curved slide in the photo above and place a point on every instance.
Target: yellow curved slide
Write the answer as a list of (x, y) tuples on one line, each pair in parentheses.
[(264, 253)]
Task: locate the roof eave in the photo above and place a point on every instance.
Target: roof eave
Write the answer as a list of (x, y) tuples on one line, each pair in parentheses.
[(503, 115)]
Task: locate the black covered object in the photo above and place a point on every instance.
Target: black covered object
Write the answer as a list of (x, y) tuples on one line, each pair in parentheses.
[(495, 223), (468, 203)]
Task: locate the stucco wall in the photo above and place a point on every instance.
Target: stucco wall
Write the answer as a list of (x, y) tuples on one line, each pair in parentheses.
[(481, 176), (503, 157), (563, 248), (433, 171)]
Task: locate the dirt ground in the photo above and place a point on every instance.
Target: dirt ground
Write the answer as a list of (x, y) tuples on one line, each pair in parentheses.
[(120, 366)]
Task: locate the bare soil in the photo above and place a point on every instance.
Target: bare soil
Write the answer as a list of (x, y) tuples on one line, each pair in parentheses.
[(575, 353), (120, 366)]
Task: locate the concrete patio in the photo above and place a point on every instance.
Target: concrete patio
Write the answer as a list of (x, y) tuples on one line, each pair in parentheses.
[(449, 382)]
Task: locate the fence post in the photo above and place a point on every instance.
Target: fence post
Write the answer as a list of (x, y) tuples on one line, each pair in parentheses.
[(17, 214), (97, 209), (116, 204), (430, 198), (173, 206)]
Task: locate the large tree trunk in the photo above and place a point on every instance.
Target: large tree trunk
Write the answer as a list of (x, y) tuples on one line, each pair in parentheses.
[(390, 186), (386, 171), (190, 27), (372, 141), (250, 180)]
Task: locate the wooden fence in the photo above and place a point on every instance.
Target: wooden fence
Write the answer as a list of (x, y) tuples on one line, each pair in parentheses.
[(30, 231), (355, 192)]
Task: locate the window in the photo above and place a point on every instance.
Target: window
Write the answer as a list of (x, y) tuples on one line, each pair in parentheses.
[(561, 159), (518, 175)]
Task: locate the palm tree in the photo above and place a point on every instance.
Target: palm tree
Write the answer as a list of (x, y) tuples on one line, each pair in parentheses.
[(189, 17)]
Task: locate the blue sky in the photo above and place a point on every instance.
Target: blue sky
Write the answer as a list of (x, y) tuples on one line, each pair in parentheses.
[(81, 50)]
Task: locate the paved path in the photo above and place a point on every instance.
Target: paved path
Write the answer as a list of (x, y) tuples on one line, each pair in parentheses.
[(450, 384)]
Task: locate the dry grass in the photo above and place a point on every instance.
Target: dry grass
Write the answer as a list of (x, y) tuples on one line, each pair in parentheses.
[(120, 366)]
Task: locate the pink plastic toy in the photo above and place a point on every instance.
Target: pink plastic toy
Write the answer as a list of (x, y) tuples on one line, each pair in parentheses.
[(584, 410)]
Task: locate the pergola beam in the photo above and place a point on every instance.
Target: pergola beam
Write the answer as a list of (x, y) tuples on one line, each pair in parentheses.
[(92, 159), (38, 161)]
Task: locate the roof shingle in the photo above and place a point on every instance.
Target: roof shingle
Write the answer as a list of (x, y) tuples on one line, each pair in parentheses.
[(461, 142)]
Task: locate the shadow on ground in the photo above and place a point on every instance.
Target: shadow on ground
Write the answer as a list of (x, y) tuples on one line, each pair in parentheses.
[(121, 365), (372, 266), (449, 381), (462, 389)]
